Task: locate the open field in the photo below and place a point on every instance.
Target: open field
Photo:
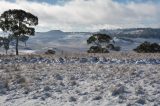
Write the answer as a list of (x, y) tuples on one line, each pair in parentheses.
[(114, 79), (108, 58)]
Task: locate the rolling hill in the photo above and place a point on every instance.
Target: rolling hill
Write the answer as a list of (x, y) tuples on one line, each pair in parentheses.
[(76, 41)]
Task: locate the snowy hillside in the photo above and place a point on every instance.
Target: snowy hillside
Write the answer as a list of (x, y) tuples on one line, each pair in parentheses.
[(74, 80), (127, 39), (69, 41), (134, 32)]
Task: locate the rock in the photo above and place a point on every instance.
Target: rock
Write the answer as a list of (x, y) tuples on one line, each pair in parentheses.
[(140, 91), (47, 88), (35, 97), (129, 104), (72, 99), (62, 84), (73, 83), (84, 93), (83, 60), (97, 98), (43, 98), (141, 101), (58, 77), (33, 60), (122, 98), (73, 78), (26, 92), (58, 90), (94, 59), (21, 80), (47, 95), (61, 60), (120, 89)]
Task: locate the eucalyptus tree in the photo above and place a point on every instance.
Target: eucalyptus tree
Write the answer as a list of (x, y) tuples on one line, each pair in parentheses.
[(18, 23), (99, 43)]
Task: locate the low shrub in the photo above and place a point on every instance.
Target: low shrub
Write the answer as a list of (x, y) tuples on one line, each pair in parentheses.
[(50, 52), (97, 49), (148, 47)]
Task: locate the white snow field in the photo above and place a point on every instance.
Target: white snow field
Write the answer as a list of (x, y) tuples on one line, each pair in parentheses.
[(114, 79)]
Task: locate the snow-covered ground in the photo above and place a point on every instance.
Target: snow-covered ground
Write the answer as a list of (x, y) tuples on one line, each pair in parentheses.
[(116, 79)]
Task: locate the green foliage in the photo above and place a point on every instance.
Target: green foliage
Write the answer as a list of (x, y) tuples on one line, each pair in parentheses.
[(19, 23), (16, 21), (99, 43), (97, 39), (148, 47), (97, 49), (91, 39)]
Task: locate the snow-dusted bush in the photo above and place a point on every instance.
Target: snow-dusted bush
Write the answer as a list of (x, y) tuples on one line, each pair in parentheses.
[(50, 52), (148, 47)]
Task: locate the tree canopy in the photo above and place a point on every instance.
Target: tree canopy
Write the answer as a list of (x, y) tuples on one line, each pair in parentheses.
[(147, 47), (99, 43), (98, 39), (18, 23)]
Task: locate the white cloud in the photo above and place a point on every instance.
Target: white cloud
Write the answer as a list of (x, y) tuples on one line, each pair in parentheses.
[(89, 15)]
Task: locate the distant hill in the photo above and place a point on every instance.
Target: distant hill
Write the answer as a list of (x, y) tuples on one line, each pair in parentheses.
[(134, 32), (59, 39), (76, 41)]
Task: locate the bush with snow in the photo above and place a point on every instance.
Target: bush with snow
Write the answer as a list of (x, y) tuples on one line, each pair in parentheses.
[(148, 47)]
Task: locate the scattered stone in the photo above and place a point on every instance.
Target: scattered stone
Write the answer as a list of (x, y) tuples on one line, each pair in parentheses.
[(73, 78), (129, 104), (21, 80), (120, 89), (94, 59), (85, 93), (47, 88), (58, 77), (72, 99), (97, 98), (61, 60), (34, 97), (26, 92), (58, 90), (62, 84), (141, 101), (73, 83), (47, 95), (83, 60), (140, 91)]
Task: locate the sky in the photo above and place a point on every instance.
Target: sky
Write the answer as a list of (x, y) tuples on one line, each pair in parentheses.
[(89, 15)]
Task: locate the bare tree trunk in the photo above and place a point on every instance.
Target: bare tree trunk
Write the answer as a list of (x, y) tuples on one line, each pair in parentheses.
[(17, 38), (6, 52), (17, 46), (25, 44)]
